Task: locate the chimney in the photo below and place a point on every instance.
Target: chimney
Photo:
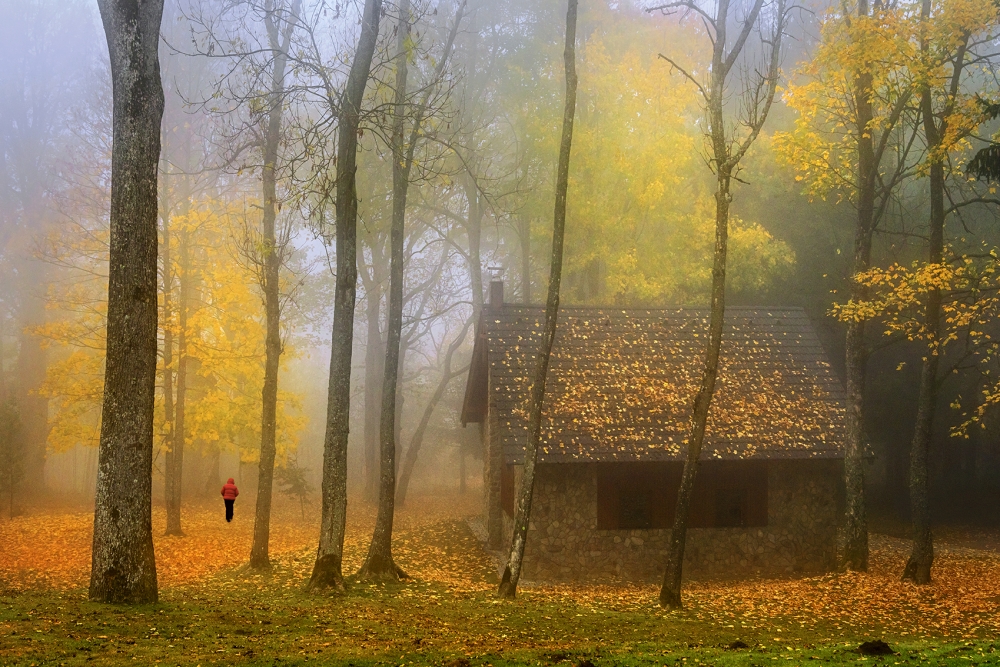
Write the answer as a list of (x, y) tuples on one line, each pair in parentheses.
[(496, 294)]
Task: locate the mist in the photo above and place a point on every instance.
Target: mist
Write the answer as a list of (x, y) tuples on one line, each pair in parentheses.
[(712, 199)]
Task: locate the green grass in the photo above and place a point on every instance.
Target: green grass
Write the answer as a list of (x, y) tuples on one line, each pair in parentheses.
[(251, 619)]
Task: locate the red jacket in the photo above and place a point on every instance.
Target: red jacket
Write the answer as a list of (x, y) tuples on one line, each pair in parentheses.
[(229, 491)]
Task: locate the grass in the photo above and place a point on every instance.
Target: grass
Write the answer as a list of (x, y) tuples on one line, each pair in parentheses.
[(447, 614), (251, 619)]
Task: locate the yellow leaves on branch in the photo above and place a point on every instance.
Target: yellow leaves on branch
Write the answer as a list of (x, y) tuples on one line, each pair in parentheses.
[(883, 49), (224, 336), (970, 303)]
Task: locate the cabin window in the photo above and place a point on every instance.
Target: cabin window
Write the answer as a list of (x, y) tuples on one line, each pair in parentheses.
[(727, 494), (507, 489), (730, 507), (634, 509), (636, 495)]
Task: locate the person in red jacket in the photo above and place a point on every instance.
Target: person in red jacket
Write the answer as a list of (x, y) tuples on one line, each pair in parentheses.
[(229, 493)]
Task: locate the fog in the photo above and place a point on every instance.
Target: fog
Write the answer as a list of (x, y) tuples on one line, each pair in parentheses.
[(639, 235)]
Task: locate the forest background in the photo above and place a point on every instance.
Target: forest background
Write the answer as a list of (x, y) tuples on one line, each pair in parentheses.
[(639, 234)]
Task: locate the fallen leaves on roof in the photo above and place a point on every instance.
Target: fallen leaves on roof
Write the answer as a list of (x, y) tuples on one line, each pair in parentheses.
[(622, 382)]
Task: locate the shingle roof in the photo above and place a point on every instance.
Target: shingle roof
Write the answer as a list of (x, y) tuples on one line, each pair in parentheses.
[(622, 382)]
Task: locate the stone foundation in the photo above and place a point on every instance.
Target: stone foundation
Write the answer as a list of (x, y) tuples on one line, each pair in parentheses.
[(564, 543)]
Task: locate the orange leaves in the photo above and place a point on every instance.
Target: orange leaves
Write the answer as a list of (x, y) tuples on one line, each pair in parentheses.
[(435, 547), (622, 384), (52, 549)]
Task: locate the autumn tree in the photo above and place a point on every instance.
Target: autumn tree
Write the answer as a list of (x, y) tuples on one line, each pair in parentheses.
[(522, 511), (187, 152), (123, 564), (404, 141), (727, 147), (327, 571), (847, 141), (258, 92), (946, 299)]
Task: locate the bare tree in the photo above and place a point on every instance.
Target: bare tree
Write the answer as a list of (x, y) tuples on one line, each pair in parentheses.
[(327, 571), (279, 23), (522, 513), (123, 566), (727, 149), (379, 562)]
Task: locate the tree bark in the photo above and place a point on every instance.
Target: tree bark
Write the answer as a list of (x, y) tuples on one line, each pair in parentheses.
[(379, 563), (918, 566), (327, 571), (522, 514), (855, 555), (413, 451), (169, 490), (525, 238), (123, 567), (374, 371), (32, 404), (175, 457), (474, 230), (212, 482), (272, 260)]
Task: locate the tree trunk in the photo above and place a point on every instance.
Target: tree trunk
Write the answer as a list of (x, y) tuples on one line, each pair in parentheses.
[(168, 371), (272, 259), (32, 405), (474, 230), (726, 153), (918, 566), (175, 457), (461, 469), (855, 555), (123, 568), (327, 571), (670, 591), (212, 481), (522, 516), (379, 563), (447, 375), (374, 370)]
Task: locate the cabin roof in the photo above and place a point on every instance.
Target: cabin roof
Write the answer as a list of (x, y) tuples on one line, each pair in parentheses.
[(622, 382)]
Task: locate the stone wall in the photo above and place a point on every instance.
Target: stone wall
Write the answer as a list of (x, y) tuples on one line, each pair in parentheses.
[(564, 543)]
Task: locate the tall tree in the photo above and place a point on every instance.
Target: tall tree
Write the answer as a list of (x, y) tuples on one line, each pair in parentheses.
[(280, 23), (123, 566), (327, 571), (725, 153), (522, 514), (944, 54), (379, 562), (847, 138)]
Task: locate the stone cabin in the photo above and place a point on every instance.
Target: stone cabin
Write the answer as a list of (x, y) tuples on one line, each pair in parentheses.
[(768, 497)]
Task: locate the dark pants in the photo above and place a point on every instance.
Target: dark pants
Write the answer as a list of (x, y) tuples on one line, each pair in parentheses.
[(229, 508)]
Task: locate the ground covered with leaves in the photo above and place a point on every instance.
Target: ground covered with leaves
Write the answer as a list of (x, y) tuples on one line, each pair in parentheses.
[(215, 611)]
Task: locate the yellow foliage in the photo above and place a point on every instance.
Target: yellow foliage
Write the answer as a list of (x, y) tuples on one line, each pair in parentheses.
[(225, 339), (639, 205)]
